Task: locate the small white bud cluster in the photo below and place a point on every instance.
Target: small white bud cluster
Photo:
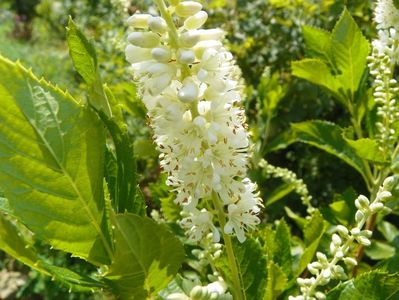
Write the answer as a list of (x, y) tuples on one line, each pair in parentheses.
[(209, 251), (289, 177), (190, 86), (384, 57), (216, 290), (325, 269)]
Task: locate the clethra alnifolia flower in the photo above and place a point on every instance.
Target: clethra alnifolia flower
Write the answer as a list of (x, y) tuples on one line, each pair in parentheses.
[(190, 86)]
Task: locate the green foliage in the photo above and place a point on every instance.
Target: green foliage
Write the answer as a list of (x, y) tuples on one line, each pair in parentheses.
[(329, 137), (42, 157), (252, 267), (12, 242), (147, 257), (84, 59), (340, 59), (375, 285), (313, 231)]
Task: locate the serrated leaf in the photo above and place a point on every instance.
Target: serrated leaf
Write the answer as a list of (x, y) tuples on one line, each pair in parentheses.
[(147, 257), (13, 243), (252, 267), (276, 281), (318, 42), (170, 210), (375, 285), (328, 137), (51, 164), (84, 60), (350, 50), (282, 248), (367, 149), (121, 174), (72, 280), (316, 71), (312, 232)]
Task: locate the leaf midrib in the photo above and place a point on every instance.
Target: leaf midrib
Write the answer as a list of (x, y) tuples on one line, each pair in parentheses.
[(73, 185)]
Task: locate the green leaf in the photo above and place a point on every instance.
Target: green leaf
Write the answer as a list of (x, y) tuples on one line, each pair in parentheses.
[(147, 257), (282, 141), (282, 248), (366, 149), (388, 230), (276, 281), (318, 42), (328, 137), (74, 281), (396, 3), (51, 164), (84, 59), (270, 92), (312, 232), (350, 50), (14, 243), (252, 268), (170, 210), (278, 193), (375, 285), (380, 250), (316, 71), (123, 187)]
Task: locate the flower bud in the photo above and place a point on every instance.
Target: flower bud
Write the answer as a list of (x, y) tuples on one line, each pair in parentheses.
[(320, 296), (157, 24), (388, 182), (210, 34), (363, 240), (196, 21), (376, 207), (187, 8), (342, 230), (137, 54), (321, 257), (189, 39), (359, 216), (339, 254), (336, 239), (185, 56), (383, 195), (143, 39), (326, 273), (189, 92), (138, 20), (362, 202), (197, 293), (161, 54), (350, 262)]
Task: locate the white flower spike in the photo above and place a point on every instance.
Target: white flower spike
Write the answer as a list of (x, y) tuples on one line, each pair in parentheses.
[(190, 85)]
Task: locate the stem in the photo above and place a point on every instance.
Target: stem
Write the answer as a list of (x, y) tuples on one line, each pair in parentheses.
[(173, 35), (237, 289)]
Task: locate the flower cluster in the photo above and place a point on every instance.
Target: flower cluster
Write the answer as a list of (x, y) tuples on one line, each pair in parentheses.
[(342, 241), (216, 290), (290, 178), (384, 57), (190, 86)]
